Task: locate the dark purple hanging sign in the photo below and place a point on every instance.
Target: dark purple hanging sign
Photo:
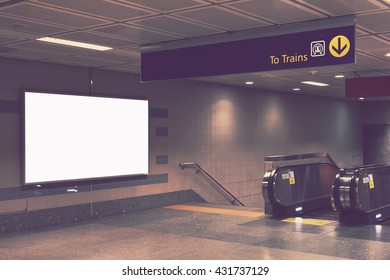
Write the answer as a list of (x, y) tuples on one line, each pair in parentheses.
[(322, 47)]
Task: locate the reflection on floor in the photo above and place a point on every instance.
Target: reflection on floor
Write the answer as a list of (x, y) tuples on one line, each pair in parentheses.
[(201, 231)]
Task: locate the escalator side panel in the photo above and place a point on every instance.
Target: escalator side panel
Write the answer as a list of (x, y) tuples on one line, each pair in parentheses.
[(298, 189), (363, 195), (374, 189), (295, 184)]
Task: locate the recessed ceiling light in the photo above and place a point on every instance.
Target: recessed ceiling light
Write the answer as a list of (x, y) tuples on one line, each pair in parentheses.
[(339, 76), (296, 89), (315, 84), (387, 55), (249, 83), (361, 98), (74, 44)]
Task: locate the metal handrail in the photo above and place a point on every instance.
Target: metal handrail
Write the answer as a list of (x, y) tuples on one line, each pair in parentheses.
[(232, 199)]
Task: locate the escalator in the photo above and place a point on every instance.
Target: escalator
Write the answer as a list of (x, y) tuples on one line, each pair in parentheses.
[(312, 184), (298, 184), (362, 195)]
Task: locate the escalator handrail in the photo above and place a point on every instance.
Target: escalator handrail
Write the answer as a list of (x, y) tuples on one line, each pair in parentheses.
[(279, 158)]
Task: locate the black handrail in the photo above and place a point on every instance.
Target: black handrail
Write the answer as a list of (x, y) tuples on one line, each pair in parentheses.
[(324, 155), (232, 199)]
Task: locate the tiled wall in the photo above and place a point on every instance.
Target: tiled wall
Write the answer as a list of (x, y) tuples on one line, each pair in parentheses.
[(227, 130)]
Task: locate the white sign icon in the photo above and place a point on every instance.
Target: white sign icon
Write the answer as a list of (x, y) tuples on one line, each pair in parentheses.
[(317, 48)]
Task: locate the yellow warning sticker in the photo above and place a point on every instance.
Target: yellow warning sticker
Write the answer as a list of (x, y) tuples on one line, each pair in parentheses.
[(339, 46), (292, 177), (314, 222), (371, 181), (212, 210)]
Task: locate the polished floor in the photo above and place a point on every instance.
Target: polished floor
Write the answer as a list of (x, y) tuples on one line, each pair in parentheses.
[(201, 231)]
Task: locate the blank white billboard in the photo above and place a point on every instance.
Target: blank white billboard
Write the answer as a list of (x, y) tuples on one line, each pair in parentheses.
[(72, 137)]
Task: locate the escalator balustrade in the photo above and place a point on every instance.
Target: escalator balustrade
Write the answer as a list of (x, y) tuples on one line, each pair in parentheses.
[(297, 189), (362, 195)]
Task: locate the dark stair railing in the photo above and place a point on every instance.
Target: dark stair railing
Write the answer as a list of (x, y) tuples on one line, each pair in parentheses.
[(219, 188)]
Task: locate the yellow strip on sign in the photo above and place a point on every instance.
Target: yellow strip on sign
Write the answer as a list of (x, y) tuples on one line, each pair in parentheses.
[(215, 210), (315, 222)]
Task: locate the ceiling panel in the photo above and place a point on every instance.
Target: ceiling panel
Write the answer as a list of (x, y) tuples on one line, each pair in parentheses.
[(9, 2), (350, 69), (375, 22), (165, 6), (284, 73), (128, 24), (371, 62), (176, 26), (334, 89), (114, 57), (5, 40), (128, 67), (28, 26), (223, 18), (50, 15), (82, 61), (137, 33), (372, 44), (105, 8), (381, 56), (343, 7), (49, 48), (385, 36), (360, 32), (276, 11), (31, 54), (219, 1)]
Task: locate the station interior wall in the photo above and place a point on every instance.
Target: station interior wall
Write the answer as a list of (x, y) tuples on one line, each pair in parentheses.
[(226, 129)]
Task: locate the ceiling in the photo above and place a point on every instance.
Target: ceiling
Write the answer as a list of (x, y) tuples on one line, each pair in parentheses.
[(126, 26)]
